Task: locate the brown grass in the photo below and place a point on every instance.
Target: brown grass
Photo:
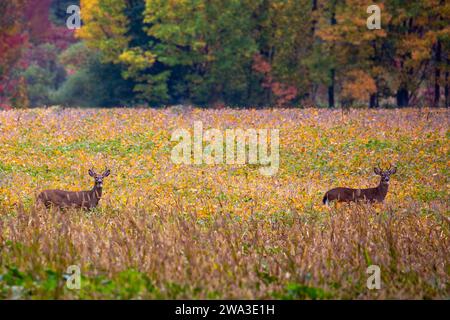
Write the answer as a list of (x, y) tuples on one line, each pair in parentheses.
[(226, 256)]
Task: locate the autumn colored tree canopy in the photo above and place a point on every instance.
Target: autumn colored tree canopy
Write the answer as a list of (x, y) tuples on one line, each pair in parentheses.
[(238, 53)]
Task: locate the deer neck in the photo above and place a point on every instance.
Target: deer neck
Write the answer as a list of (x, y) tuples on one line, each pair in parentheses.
[(383, 188), (97, 192)]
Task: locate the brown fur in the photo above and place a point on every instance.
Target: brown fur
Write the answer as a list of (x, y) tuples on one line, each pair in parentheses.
[(377, 194), (86, 200), (65, 199)]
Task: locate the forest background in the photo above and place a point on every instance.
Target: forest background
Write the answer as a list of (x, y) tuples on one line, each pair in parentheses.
[(215, 53)]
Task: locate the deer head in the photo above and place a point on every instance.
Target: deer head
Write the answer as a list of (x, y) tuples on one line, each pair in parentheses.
[(385, 175), (99, 177)]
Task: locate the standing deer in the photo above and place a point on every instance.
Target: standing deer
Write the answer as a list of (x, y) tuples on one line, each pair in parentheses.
[(376, 194), (86, 200)]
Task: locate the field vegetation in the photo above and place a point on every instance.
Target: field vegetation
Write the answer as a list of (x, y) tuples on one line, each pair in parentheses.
[(224, 231)]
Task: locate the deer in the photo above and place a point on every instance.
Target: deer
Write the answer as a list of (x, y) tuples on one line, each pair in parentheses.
[(371, 195), (86, 200)]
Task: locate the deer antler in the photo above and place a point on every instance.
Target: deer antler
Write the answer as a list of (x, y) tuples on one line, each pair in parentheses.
[(91, 165), (378, 165)]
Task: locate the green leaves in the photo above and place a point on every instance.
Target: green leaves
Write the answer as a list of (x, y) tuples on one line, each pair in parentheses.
[(295, 291)]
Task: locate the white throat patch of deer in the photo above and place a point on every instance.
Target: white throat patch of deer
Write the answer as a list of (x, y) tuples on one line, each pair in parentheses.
[(376, 194), (86, 200)]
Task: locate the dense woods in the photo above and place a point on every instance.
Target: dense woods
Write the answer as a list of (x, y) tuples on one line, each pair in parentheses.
[(215, 53)]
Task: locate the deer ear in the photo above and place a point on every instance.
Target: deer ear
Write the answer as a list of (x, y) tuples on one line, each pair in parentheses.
[(393, 170), (91, 173), (106, 173), (377, 171)]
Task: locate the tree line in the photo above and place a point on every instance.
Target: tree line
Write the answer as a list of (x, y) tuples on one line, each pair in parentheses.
[(246, 53)]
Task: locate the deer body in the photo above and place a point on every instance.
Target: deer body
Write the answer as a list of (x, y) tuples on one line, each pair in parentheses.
[(86, 200), (66, 199), (377, 194)]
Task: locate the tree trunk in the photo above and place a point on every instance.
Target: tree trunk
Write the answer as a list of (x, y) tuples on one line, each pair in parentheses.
[(312, 92), (437, 75), (374, 100), (332, 71), (446, 90), (331, 90), (314, 21), (402, 97)]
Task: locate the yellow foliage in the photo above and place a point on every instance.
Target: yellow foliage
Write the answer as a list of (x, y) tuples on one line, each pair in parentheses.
[(319, 149)]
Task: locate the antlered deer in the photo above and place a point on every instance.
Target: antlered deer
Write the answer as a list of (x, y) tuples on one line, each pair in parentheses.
[(81, 200), (376, 194)]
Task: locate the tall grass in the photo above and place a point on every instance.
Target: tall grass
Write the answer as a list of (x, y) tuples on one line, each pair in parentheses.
[(164, 254)]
